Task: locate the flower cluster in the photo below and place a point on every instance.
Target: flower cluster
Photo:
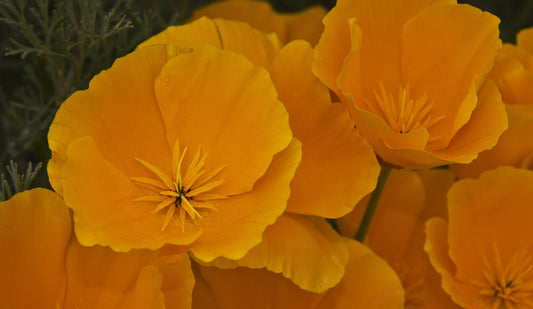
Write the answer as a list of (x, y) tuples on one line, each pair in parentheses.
[(251, 159)]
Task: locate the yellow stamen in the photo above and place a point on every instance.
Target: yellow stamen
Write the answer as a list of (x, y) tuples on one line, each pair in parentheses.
[(507, 284), (165, 203), (170, 214), (166, 180), (403, 114), (149, 181), (188, 191)]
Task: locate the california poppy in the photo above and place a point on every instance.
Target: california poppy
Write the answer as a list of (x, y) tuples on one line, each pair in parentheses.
[(412, 76), (44, 266), (331, 151), (483, 251), (174, 146)]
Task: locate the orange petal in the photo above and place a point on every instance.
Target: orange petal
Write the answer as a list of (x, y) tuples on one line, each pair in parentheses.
[(368, 282), (513, 73), (436, 183), (240, 220), (104, 210), (116, 111), (380, 23), (258, 14), (512, 148), (399, 207), (476, 136), (305, 24), (244, 288), (493, 209), (465, 46), (334, 45), (260, 48), (524, 39), (34, 232), (219, 100), (437, 248), (98, 277), (178, 283), (146, 293), (327, 135), (297, 248)]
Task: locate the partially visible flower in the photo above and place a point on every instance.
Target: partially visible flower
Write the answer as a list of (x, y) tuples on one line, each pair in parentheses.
[(412, 75), (484, 250), (513, 74), (178, 146), (397, 231), (43, 265), (368, 283), (338, 166), (305, 25)]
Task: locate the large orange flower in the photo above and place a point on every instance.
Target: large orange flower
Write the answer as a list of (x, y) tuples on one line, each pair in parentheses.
[(44, 266), (412, 77), (513, 73), (178, 146), (338, 166), (305, 24), (397, 231), (484, 251), (368, 283)]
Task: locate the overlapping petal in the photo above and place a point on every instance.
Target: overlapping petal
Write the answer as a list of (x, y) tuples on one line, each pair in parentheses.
[(305, 24), (35, 231), (114, 128), (242, 219), (367, 283), (327, 135), (394, 67), (323, 127), (480, 248), (513, 75), (204, 100), (258, 47), (396, 234), (296, 247), (332, 150), (45, 266)]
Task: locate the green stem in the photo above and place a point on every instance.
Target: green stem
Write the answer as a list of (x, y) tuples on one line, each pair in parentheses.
[(372, 205)]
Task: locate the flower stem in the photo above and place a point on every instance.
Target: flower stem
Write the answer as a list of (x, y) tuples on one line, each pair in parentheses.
[(372, 204)]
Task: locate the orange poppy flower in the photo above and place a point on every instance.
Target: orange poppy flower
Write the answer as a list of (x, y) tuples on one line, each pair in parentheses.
[(513, 74), (397, 231), (331, 151), (44, 266), (368, 283), (483, 252), (305, 25), (412, 77), (178, 146)]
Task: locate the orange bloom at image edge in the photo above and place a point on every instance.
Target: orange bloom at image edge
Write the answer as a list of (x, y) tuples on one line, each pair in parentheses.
[(47, 268), (483, 252)]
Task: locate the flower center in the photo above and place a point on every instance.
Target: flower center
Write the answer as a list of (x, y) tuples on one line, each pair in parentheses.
[(508, 285), (403, 113), (189, 189)]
